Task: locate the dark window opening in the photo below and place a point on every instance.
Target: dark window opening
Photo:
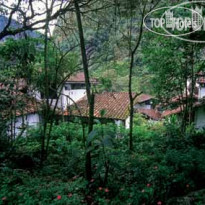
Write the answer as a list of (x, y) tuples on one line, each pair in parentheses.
[(148, 102), (77, 86), (67, 87)]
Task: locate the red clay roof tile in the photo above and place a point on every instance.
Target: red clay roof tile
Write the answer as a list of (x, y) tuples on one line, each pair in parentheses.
[(115, 105), (172, 112), (151, 113), (80, 77)]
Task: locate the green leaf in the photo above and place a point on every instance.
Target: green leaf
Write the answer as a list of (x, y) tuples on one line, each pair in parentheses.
[(91, 136)]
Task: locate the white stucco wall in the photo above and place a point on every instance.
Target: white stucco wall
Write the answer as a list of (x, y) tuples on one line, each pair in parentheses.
[(60, 104), (201, 92), (200, 118), (74, 94), (30, 120), (143, 106), (34, 93), (118, 122), (127, 123), (64, 101)]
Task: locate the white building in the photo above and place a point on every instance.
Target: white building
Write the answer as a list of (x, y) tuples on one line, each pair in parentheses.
[(21, 110), (72, 90), (200, 105), (198, 102), (28, 116), (21, 119), (109, 106), (18, 126)]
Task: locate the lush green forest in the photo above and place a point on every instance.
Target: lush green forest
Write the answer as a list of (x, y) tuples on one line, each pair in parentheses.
[(134, 152)]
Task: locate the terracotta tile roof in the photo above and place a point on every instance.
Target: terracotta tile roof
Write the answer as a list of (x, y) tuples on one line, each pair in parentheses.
[(171, 112), (201, 77), (151, 113), (179, 98), (30, 105), (180, 109), (144, 97), (15, 84), (200, 73), (199, 103), (201, 80), (115, 105), (22, 105), (80, 77)]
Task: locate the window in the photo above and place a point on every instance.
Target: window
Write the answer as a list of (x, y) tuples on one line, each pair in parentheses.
[(77, 86), (148, 102), (67, 87)]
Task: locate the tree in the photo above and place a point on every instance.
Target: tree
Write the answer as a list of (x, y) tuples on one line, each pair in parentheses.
[(90, 96), (28, 16), (74, 28), (173, 64), (133, 13), (18, 58)]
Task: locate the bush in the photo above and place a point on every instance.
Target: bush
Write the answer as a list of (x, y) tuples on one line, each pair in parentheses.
[(165, 167)]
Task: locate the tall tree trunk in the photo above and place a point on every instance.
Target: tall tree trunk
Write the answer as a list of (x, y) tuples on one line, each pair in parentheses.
[(193, 84), (131, 103), (132, 57), (47, 107), (90, 96)]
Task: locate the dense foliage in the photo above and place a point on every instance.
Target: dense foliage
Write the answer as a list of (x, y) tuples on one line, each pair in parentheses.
[(155, 163), (166, 167)]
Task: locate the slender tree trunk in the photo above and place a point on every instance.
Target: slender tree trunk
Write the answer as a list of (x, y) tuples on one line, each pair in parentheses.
[(131, 103), (185, 111), (132, 57), (90, 97), (46, 116), (193, 82)]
